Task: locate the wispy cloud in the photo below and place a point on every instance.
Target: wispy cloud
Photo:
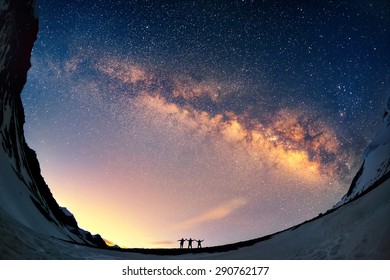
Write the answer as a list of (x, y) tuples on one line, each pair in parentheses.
[(162, 242), (217, 213)]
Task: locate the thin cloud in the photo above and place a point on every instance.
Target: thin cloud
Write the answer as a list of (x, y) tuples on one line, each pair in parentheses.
[(162, 242), (222, 211)]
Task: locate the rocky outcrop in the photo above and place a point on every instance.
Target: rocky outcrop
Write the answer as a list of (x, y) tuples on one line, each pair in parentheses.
[(19, 28)]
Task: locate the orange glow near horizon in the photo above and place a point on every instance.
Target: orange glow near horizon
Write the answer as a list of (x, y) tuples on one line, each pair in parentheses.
[(99, 216)]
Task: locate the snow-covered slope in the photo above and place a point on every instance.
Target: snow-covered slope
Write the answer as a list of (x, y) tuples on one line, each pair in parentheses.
[(376, 161), (23, 192), (357, 230), (34, 226)]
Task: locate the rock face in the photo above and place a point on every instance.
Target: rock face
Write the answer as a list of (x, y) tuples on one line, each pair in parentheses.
[(375, 168), (23, 191)]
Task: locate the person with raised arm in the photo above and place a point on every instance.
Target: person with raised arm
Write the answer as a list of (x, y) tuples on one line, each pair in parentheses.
[(182, 242), (199, 243), (190, 243)]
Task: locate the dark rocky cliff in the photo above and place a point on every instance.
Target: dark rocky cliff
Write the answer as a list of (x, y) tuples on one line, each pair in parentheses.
[(19, 28)]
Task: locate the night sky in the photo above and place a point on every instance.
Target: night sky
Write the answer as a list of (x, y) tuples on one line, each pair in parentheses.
[(215, 120)]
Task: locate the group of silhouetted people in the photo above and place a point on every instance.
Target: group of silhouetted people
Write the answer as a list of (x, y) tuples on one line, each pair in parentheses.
[(190, 243)]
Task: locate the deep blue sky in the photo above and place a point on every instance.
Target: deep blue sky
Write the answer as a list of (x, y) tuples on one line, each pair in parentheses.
[(174, 93), (332, 55)]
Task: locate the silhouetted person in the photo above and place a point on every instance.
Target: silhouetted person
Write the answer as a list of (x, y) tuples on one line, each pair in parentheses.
[(199, 243), (182, 242), (190, 243)]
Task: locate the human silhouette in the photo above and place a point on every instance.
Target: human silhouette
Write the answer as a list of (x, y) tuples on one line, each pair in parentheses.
[(190, 243), (182, 242), (199, 243)]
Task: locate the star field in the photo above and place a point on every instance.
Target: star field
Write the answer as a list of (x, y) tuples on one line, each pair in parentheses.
[(154, 120)]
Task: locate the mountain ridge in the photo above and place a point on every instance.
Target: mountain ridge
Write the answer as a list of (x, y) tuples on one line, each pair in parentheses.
[(18, 34)]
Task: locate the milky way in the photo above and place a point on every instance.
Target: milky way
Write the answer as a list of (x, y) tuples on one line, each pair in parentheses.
[(156, 120)]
